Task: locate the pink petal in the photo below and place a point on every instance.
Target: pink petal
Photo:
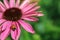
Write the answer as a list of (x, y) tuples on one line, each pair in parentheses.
[(6, 3), (6, 32), (33, 14), (29, 7), (23, 4), (12, 3), (39, 14), (4, 25), (17, 3), (27, 26), (2, 6), (15, 33), (1, 14), (30, 19), (19, 31), (33, 9), (2, 20), (26, 4)]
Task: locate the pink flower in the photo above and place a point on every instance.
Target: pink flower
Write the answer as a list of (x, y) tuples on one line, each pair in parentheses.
[(13, 14)]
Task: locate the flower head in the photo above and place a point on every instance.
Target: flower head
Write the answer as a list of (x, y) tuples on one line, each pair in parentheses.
[(12, 15)]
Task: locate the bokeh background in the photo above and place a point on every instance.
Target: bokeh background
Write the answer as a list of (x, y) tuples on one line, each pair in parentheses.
[(48, 26)]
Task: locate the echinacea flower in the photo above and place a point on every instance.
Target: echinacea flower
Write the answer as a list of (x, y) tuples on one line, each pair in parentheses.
[(13, 14)]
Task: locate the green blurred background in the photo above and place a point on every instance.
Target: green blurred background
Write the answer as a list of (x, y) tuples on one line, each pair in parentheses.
[(48, 26)]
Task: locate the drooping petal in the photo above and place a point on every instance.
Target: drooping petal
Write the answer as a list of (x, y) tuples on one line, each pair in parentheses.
[(29, 6), (17, 3), (6, 3), (15, 33), (1, 14), (13, 30), (5, 33), (33, 9), (26, 26), (2, 7), (19, 31), (30, 19), (12, 3)]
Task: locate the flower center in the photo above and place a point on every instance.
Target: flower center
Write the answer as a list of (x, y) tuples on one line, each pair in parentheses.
[(12, 14)]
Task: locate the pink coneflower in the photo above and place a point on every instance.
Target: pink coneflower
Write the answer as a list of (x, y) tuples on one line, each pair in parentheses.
[(12, 15)]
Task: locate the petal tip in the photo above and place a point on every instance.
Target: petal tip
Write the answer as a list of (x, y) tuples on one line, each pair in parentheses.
[(40, 14), (32, 31)]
